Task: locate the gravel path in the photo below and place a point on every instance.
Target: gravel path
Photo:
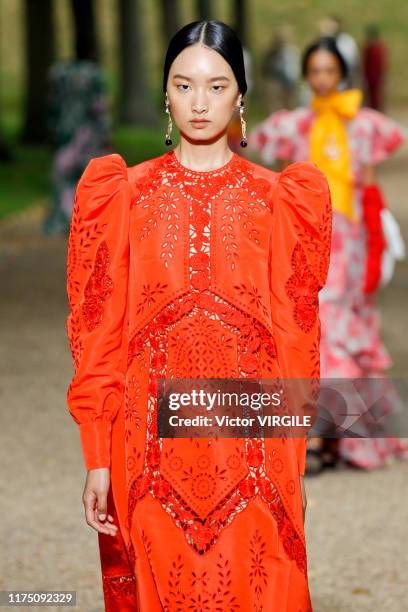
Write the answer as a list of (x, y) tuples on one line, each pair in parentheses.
[(357, 525)]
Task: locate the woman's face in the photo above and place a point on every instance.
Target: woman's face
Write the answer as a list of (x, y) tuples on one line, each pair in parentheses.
[(203, 93), (323, 72)]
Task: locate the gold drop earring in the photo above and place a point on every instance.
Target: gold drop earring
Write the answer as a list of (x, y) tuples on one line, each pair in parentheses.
[(168, 139), (243, 123)]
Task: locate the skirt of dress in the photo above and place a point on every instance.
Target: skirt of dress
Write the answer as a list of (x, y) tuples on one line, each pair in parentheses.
[(247, 569)]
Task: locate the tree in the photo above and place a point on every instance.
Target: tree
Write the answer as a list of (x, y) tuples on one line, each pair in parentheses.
[(204, 9), (86, 44), (135, 103), (5, 153), (241, 20), (39, 54), (170, 10)]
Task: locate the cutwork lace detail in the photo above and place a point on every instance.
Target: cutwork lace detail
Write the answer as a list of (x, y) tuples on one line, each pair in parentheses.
[(183, 594), (80, 240), (239, 206), (241, 193), (258, 574), (132, 413), (150, 295), (98, 288), (302, 288), (254, 296), (163, 207), (318, 242), (183, 329)]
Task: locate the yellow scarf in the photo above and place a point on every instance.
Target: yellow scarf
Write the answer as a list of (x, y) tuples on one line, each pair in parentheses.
[(329, 148)]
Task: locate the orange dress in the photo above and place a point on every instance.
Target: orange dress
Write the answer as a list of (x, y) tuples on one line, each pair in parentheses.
[(175, 273)]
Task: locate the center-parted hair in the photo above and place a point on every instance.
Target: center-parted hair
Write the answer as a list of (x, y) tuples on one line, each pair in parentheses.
[(215, 35)]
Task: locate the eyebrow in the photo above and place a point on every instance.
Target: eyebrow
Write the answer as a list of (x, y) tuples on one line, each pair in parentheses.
[(218, 78)]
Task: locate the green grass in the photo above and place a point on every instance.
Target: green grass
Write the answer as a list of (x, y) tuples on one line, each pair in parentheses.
[(25, 180)]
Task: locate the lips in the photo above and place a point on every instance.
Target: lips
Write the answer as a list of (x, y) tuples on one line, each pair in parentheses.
[(199, 121), (200, 125)]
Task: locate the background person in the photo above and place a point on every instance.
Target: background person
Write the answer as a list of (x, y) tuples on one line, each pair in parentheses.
[(346, 141)]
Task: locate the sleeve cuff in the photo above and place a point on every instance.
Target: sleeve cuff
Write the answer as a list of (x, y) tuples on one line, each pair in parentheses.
[(96, 443)]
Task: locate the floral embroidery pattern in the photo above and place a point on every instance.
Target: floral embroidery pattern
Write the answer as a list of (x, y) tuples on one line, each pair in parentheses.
[(98, 288), (149, 295), (203, 346), (132, 414), (257, 574), (80, 240), (254, 296), (209, 591), (302, 288), (163, 207), (237, 208), (318, 243)]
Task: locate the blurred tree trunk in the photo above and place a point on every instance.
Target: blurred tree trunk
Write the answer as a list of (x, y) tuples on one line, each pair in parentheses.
[(204, 9), (170, 10), (5, 152), (135, 104), (86, 43), (240, 20), (39, 54)]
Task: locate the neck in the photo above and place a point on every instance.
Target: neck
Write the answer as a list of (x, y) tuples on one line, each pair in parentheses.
[(329, 94), (204, 156)]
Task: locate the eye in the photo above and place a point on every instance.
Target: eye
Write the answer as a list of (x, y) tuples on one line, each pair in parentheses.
[(181, 86), (218, 88)]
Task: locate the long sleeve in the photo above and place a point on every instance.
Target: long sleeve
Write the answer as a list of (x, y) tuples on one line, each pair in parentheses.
[(299, 260), (97, 283)]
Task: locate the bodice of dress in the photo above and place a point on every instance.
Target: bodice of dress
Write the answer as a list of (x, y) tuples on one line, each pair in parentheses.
[(194, 198)]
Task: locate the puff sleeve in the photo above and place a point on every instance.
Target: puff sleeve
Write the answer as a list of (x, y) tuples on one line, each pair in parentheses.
[(299, 260), (97, 284), (377, 136)]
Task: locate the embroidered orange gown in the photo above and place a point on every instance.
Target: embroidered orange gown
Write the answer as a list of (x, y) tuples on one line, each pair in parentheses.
[(180, 273)]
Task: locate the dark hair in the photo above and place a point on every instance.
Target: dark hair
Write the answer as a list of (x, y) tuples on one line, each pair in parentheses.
[(215, 35), (325, 43)]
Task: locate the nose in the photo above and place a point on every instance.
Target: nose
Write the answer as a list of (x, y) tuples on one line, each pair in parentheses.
[(199, 105)]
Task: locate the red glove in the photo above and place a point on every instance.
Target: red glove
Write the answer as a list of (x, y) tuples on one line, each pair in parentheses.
[(373, 202)]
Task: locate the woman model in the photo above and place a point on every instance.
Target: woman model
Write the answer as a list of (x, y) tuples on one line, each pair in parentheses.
[(197, 263), (346, 141)]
